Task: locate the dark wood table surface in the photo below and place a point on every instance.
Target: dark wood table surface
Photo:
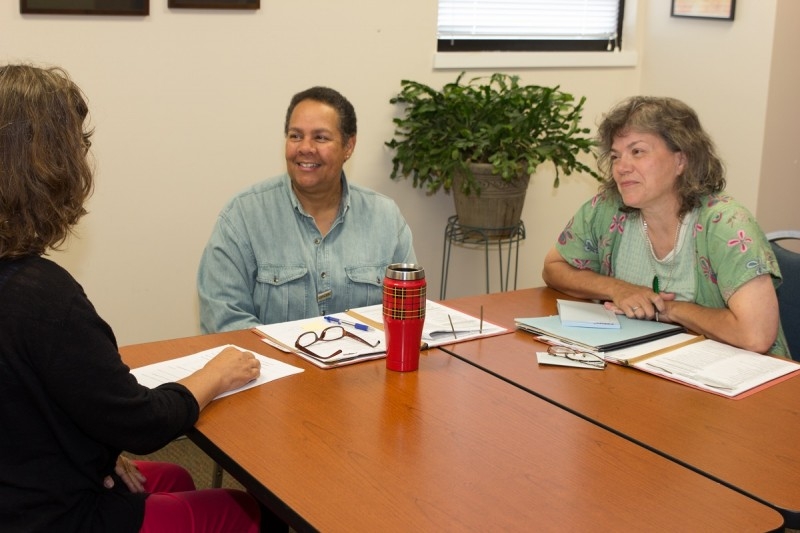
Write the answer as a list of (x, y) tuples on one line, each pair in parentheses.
[(751, 444), (449, 447)]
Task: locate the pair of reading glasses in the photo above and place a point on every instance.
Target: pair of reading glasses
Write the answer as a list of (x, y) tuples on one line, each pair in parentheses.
[(332, 333), (585, 358)]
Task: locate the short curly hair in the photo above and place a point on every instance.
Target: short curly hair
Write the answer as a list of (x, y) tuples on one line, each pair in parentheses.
[(348, 126), (679, 126), (45, 177)]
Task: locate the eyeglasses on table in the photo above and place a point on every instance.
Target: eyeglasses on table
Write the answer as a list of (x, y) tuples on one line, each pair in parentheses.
[(332, 333), (586, 358)]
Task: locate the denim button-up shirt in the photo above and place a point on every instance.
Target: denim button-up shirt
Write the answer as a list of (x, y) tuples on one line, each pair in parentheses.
[(267, 262)]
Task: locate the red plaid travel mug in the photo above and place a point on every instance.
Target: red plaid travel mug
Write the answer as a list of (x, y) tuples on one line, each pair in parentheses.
[(404, 297)]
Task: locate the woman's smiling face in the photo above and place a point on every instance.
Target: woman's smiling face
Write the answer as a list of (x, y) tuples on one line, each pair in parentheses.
[(315, 149)]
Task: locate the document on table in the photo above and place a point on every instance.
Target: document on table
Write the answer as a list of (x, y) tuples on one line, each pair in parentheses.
[(283, 336), (708, 365), (176, 369), (631, 354), (443, 325)]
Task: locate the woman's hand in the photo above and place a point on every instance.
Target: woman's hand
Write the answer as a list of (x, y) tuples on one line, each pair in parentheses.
[(235, 367), (130, 475), (621, 297), (639, 302), (228, 370)]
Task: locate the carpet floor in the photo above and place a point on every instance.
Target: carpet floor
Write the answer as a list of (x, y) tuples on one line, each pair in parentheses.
[(183, 452)]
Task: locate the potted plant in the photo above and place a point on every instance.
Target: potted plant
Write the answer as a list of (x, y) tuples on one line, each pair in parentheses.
[(483, 139)]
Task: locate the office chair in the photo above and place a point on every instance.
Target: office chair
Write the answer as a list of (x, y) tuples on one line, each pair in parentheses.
[(789, 291)]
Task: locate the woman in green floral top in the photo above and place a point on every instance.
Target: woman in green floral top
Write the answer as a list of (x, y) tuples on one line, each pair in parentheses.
[(662, 241)]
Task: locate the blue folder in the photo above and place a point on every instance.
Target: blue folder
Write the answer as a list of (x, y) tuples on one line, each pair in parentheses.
[(630, 333)]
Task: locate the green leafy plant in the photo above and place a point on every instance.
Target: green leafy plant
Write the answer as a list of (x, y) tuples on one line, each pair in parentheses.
[(492, 120)]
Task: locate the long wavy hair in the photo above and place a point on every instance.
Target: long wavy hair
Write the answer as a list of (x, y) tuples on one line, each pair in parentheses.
[(679, 126), (45, 177)]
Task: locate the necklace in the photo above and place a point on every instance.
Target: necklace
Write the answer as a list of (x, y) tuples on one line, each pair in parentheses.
[(652, 256)]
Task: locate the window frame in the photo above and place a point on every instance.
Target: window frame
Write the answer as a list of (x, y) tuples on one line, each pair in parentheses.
[(627, 58), (535, 45)]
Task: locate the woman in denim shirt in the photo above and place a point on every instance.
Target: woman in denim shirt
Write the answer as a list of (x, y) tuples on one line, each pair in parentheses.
[(305, 243)]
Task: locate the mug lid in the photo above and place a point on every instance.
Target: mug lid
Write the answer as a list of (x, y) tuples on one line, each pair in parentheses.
[(405, 271)]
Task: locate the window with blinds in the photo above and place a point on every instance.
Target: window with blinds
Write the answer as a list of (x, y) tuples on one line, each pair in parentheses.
[(529, 25)]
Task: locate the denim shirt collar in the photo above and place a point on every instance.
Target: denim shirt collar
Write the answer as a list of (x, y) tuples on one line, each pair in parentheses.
[(344, 204)]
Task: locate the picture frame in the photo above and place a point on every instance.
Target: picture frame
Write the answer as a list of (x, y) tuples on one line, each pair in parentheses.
[(705, 9), (85, 7), (215, 4)]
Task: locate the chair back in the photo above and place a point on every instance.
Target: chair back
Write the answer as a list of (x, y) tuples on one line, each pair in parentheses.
[(789, 291)]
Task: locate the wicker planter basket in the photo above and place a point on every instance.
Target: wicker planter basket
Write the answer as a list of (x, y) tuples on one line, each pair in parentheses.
[(499, 205)]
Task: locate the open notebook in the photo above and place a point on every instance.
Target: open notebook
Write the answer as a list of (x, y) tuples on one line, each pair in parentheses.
[(443, 325), (706, 364)]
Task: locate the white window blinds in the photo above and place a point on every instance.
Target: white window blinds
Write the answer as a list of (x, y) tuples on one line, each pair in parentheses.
[(528, 19)]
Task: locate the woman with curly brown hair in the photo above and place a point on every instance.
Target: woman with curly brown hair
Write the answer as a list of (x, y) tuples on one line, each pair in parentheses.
[(68, 404), (662, 240)]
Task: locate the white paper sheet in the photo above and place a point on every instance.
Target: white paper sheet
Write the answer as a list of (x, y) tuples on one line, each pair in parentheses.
[(544, 358), (177, 369)]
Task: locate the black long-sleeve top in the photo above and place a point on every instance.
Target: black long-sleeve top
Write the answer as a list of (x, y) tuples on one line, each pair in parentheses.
[(68, 406)]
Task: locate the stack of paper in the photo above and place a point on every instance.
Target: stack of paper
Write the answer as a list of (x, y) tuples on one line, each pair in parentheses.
[(284, 335)]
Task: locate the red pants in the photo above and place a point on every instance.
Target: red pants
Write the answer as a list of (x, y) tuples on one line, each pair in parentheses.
[(175, 506)]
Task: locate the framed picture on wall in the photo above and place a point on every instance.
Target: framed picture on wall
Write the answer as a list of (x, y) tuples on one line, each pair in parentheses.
[(705, 9), (85, 7), (216, 4)]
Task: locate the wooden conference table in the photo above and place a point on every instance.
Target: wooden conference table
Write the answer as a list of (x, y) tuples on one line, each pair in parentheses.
[(751, 444), (449, 447)]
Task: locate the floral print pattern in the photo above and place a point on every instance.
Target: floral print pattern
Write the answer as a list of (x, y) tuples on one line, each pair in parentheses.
[(618, 224), (730, 248), (741, 240)]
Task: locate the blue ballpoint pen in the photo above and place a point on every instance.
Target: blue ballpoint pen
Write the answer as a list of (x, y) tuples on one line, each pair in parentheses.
[(334, 320)]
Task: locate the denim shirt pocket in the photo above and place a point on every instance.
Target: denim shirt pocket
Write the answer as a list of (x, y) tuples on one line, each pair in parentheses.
[(364, 285), (281, 292)]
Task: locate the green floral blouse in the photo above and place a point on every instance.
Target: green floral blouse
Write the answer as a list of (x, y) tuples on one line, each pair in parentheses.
[(730, 248)]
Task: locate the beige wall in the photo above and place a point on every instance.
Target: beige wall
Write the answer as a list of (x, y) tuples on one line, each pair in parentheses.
[(188, 107), (779, 189), (721, 69)]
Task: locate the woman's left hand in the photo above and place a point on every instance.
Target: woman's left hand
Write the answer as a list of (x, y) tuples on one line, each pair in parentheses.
[(130, 475), (642, 304)]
